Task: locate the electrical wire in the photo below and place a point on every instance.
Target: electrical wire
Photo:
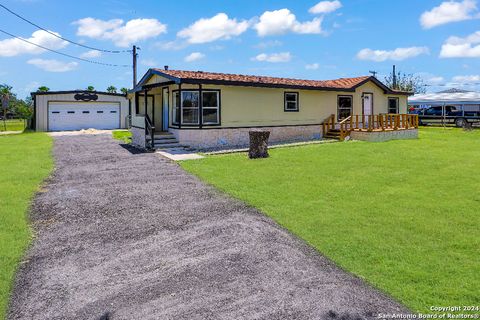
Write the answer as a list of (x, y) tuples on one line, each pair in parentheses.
[(64, 54), (60, 37)]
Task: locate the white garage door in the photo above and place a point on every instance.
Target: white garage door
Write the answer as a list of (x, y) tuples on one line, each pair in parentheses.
[(83, 115)]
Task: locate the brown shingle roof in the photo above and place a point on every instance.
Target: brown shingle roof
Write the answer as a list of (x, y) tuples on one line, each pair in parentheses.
[(342, 84)]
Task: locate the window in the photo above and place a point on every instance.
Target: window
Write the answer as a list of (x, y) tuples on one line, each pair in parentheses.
[(85, 111), (70, 111), (99, 111), (392, 105), (188, 111), (210, 107), (190, 105), (345, 107), (176, 108), (291, 101)]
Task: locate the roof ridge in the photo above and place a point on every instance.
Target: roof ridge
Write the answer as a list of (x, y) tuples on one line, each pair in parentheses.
[(258, 76)]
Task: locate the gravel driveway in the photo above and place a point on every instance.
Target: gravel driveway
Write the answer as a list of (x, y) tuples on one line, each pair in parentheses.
[(136, 237)]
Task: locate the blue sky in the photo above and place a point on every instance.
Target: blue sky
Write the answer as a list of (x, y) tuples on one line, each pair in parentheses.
[(437, 40)]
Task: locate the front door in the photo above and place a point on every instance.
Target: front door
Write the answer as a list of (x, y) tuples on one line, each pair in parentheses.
[(165, 109), (367, 104)]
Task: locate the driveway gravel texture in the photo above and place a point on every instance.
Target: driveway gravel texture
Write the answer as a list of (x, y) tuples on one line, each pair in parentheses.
[(120, 235)]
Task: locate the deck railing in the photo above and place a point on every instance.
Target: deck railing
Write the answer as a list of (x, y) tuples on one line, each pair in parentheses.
[(377, 122), (328, 123)]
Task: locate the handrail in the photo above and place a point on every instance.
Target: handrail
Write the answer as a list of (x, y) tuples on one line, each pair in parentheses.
[(328, 124), (386, 121), (149, 131), (344, 131)]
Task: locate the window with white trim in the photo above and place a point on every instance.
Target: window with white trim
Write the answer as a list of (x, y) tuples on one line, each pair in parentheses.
[(210, 107), (392, 105), (345, 107), (190, 106), (175, 109), (291, 101)]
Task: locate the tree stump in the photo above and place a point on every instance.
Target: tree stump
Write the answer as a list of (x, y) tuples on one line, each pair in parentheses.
[(258, 144)]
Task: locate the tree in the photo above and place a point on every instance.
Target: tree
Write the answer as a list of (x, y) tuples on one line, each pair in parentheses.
[(90, 88), (405, 82), (43, 89), (5, 95), (24, 110), (124, 90), (112, 89)]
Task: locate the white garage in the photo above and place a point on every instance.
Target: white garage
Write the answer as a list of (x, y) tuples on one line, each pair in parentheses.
[(76, 110)]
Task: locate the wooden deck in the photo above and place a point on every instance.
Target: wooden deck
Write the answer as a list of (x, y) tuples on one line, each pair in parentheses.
[(368, 123)]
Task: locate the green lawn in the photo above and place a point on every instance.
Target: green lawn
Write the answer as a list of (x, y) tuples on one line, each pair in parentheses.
[(404, 215), (12, 125), (26, 161), (123, 135)]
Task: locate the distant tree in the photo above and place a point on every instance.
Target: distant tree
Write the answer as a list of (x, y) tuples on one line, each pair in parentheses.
[(5, 95), (24, 110), (43, 89), (90, 88), (124, 90), (112, 89), (405, 82)]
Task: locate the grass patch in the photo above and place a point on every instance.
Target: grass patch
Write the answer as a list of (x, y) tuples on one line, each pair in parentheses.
[(26, 161), (403, 215), (12, 125), (123, 135)]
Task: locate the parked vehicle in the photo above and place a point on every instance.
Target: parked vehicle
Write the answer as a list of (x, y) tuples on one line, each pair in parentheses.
[(457, 115)]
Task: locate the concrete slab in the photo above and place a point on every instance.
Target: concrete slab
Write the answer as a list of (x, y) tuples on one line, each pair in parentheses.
[(179, 154), (79, 132)]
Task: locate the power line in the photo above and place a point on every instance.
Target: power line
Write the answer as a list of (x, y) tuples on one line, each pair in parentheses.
[(63, 54), (60, 37)]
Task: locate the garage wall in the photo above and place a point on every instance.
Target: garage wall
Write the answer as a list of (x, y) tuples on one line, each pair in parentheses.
[(42, 102)]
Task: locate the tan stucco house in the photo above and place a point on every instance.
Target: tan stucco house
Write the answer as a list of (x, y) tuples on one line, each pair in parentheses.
[(208, 110)]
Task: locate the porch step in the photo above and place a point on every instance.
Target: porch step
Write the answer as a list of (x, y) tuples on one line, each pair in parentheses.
[(332, 134), (169, 145)]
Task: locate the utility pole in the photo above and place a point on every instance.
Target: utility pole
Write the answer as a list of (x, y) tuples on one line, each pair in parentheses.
[(374, 73), (135, 55), (394, 78)]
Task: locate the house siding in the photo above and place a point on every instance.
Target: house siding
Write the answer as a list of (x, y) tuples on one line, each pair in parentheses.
[(243, 108)]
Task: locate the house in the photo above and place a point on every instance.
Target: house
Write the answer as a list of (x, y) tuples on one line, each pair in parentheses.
[(210, 110), (75, 110)]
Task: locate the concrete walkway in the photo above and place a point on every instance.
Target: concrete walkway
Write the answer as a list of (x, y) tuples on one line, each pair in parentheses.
[(133, 236)]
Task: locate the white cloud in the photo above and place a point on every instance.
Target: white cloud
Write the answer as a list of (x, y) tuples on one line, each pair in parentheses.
[(149, 63), (91, 54), (456, 47), (53, 65), (268, 44), (122, 35), (435, 80), (13, 47), (396, 55), (283, 21), (466, 79), (218, 27), (171, 45), (274, 57), (312, 66), (325, 7), (194, 56), (449, 11)]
